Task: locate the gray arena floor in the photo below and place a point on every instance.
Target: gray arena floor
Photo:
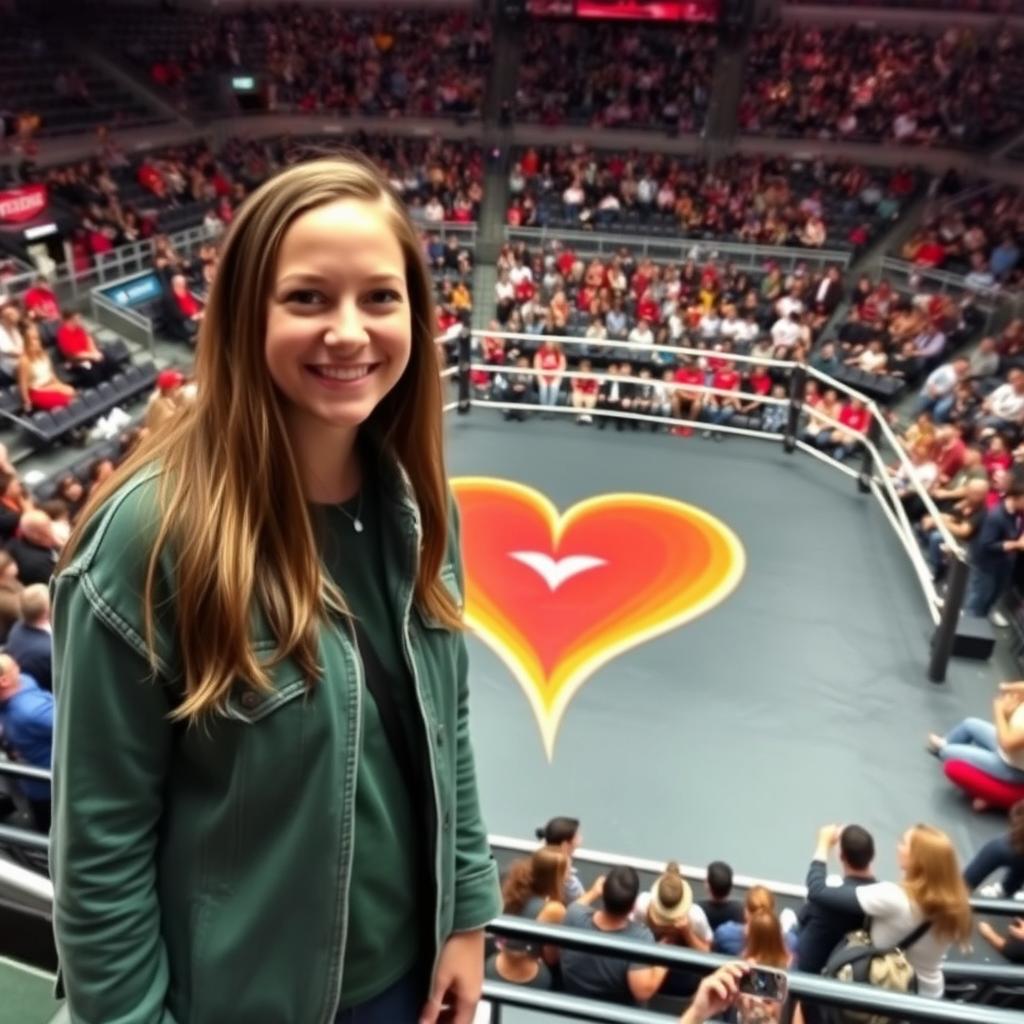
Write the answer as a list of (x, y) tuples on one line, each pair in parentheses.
[(801, 699)]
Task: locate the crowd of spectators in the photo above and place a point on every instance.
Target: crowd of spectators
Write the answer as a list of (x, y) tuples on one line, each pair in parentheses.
[(616, 75), (335, 60), (980, 236), (871, 84), (546, 887), (760, 200), (116, 200)]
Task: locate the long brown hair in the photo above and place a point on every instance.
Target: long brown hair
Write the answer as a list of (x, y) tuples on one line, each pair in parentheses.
[(765, 943), (231, 504), (542, 875), (933, 880)]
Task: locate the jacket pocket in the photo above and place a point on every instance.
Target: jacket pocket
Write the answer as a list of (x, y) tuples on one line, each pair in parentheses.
[(250, 705)]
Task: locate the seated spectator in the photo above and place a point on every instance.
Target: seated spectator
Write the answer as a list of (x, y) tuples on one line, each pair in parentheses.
[(12, 344), (26, 724), (30, 641), (765, 947), (583, 393), (41, 306), (517, 388), (731, 936), (926, 913), (964, 521), (600, 977), (995, 748), (10, 594), (1011, 945), (824, 921), (719, 409), (81, 352), (14, 503), (1003, 852), (937, 395), (167, 400), (551, 359), (1003, 409), (34, 548), (719, 906), (517, 963), (534, 885), (182, 311), (674, 919), (564, 834), (40, 387)]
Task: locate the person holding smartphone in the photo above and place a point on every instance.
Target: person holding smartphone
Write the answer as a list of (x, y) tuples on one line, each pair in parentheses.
[(265, 800)]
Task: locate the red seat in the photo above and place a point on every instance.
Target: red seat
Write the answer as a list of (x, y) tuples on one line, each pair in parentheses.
[(977, 784)]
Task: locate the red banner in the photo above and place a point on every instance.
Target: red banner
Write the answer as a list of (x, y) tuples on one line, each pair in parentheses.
[(18, 204)]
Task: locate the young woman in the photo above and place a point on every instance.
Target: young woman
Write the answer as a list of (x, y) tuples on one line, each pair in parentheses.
[(564, 834), (265, 798), (39, 386), (551, 359), (931, 892), (765, 947), (534, 889)]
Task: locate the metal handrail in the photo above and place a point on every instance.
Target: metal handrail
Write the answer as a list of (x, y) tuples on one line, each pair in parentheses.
[(611, 241), (801, 986)]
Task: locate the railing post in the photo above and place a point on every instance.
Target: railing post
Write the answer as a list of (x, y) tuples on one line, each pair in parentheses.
[(797, 391), (867, 459), (464, 344), (945, 632)]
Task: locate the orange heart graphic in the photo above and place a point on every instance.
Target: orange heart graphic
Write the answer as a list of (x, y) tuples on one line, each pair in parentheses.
[(558, 596)]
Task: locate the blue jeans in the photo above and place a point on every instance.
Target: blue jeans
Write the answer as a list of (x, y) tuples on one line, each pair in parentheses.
[(995, 854), (984, 588), (399, 1004), (974, 741), (548, 391)]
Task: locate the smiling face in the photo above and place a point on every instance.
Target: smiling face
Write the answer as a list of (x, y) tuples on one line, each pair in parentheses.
[(339, 325)]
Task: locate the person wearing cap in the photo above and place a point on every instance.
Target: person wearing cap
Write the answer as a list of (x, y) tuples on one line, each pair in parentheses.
[(166, 400), (673, 917)]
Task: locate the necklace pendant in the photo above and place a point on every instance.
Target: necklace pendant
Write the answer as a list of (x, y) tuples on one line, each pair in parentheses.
[(357, 525)]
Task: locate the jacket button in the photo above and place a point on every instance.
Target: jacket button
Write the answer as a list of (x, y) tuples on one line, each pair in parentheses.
[(250, 699)]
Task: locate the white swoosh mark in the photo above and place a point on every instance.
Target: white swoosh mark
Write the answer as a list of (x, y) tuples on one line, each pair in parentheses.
[(555, 573)]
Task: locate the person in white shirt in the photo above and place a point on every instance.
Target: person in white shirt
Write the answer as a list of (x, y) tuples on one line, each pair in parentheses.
[(710, 325), (932, 892), (786, 333), (641, 334), (433, 212), (1004, 408), (937, 395), (12, 344)]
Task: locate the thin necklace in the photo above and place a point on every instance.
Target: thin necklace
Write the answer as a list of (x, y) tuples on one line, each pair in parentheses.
[(357, 522)]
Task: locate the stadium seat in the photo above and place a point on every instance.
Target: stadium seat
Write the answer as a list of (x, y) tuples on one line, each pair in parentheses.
[(980, 786)]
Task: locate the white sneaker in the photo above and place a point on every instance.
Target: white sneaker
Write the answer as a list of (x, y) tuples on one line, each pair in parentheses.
[(998, 619), (992, 891)]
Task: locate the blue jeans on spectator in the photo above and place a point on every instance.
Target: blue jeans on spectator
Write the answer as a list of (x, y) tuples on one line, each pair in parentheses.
[(974, 741), (719, 414), (548, 391), (936, 561), (398, 1004), (984, 588), (995, 854), (939, 406)]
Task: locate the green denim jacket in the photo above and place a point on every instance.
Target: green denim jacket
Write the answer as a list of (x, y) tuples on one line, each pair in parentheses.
[(201, 872)]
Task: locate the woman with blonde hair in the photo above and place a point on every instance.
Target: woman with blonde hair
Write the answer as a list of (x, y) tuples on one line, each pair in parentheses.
[(931, 895), (40, 387), (265, 800)]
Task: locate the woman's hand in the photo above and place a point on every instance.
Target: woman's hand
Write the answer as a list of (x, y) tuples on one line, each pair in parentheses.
[(459, 980), (716, 994)]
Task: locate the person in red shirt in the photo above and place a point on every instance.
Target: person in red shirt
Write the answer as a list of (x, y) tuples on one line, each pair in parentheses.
[(583, 393), (79, 350), (719, 409), (930, 253), (647, 308), (996, 455), (41, 306), (855, 418), (759, 384), (182, 310), (949, 456), (686, 401)]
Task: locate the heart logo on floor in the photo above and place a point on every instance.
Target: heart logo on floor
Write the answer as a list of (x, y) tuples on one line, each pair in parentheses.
[(556, 596)]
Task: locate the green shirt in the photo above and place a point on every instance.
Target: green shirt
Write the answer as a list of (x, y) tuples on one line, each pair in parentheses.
[(384, 929)]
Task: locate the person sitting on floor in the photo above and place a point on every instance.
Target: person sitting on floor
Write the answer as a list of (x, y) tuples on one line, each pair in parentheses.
[(1005, 851)]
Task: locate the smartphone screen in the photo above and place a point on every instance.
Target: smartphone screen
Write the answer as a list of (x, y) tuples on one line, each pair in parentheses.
[(766, 982)]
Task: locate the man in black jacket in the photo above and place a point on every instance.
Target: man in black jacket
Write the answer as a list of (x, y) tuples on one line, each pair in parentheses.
[(832, 910)]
